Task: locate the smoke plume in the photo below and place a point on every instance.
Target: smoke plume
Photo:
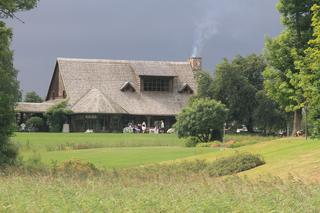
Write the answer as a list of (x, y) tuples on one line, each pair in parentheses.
[(204, 31)]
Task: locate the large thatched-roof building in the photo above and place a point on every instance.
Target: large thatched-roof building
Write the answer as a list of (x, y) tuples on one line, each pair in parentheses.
[(105, 95)]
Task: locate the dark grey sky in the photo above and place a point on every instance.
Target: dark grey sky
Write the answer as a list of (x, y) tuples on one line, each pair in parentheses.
[(140, 29)]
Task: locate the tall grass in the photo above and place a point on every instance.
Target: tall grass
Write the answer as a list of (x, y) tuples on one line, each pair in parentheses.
[(182, 193)]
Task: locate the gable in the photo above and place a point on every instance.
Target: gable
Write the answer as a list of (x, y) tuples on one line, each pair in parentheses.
[(56, 89), (186, 89), (127, 86)]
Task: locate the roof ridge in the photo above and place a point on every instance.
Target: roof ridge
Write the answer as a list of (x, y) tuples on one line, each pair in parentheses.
[(119, 61)]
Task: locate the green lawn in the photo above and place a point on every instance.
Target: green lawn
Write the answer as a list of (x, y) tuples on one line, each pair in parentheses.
[(111, 150), (124, 157), (54, 141), (105, 150), (284, 157)]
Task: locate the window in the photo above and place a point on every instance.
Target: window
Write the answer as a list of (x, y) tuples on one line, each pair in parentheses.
[(156, 84)]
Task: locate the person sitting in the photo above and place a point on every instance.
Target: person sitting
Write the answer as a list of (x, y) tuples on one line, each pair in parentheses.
[(144, 127), (162, 126)]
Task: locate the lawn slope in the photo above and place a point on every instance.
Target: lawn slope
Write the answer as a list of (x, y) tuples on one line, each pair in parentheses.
[(287, 156)]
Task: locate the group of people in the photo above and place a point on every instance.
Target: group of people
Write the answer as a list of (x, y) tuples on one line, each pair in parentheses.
[(140, 128), (159, 127)]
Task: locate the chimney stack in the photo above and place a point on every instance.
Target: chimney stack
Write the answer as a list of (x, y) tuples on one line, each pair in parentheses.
[(196, 63)]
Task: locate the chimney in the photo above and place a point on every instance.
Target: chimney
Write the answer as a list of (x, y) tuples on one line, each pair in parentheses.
[(196, 63)]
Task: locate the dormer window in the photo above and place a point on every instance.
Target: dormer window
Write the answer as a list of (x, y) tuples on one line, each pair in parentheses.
[(159, 84), (127, 86), (186, 89)]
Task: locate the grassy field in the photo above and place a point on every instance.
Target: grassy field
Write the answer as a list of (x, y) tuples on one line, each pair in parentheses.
[(288, 182), (104, 150), (124, 157), (58, 141), (293, 156)]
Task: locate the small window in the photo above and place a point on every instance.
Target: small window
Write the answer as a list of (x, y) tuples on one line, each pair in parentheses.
[(156, 84), (53, 95)]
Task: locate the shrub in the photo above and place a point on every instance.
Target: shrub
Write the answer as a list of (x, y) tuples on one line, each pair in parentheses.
[(202, 118), (240, 144), (77, 168), (192, 142), (8, 153), (34, 123), (57, 116), (230, 143), (234, 164), (210, 144)]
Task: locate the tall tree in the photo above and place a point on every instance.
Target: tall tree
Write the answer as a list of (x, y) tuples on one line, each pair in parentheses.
[(310, 73), (282, 80), (9, 87), (204, 84), (267, 115), (32, 97), (236, 84)]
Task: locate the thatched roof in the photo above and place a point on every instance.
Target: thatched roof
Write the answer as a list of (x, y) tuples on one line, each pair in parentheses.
[(35, 107), (96, 102), (99, 86)]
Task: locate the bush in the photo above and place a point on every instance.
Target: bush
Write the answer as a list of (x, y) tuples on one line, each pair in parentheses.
[(34, 123), (77, 168), (234, 164), (57, 116), (192, 142), (202, 118), (210, 144), (8, 153)]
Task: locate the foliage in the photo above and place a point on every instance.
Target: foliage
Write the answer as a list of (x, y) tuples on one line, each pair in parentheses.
[(9, 87), (8, 8), (32, 97), (77, 168), (267, 116), (57, 116), (9, 153), (282, 76), (35, 123), (234, 164), (213, 144), (310, 67), (8, 93), (204, 85), (236, 84), (202, 118), (192, 142)]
